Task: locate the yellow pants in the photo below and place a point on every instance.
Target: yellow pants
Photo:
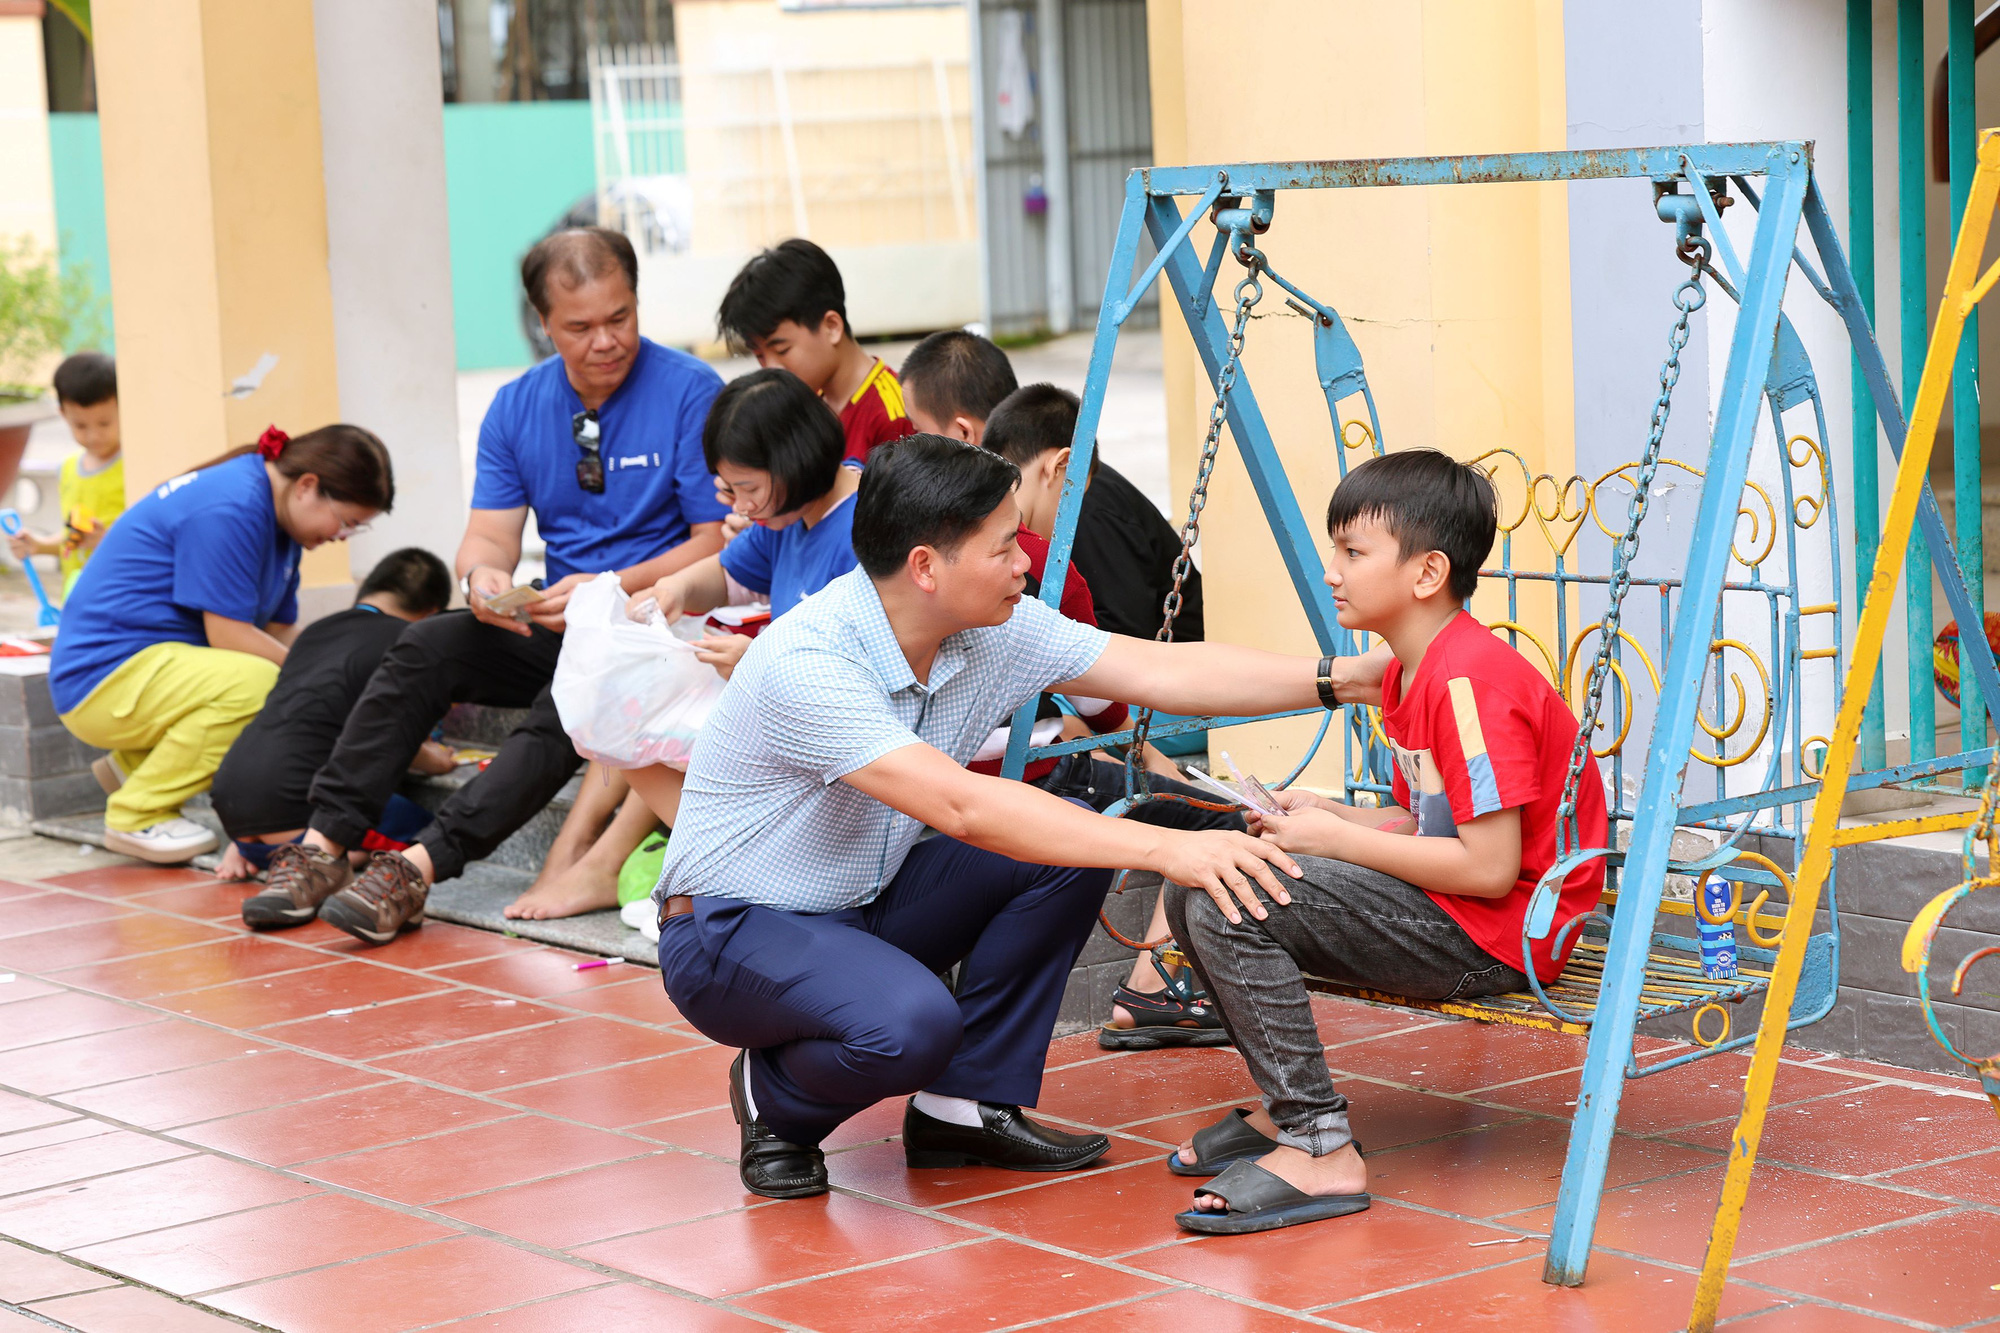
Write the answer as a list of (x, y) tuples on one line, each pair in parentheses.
[(168, 715)]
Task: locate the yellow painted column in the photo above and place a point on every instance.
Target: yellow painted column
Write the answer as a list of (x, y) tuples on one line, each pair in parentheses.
[(215, 213)]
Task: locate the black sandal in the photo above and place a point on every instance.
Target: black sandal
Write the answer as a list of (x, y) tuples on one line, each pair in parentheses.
[(1260, 1201), (1227, 1141), (1180, 1015)]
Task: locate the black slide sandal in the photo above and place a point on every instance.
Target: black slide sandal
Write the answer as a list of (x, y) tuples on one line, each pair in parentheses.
[(1260, 1201), (1228, 1140)]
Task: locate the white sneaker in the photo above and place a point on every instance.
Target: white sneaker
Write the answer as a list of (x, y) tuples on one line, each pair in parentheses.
[(170, 842)]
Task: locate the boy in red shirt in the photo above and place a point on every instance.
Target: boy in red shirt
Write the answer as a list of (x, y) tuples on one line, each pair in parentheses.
[(1482, 744), (788, 307)]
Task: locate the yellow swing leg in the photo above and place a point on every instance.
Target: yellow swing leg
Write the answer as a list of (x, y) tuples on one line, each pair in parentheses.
[(1963, 288)]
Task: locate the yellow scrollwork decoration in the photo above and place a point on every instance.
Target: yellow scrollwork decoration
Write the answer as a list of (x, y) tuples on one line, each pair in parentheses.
[(1357, 434), (1560, 511), (1527, 484), (1730, 726), (1814, 454)]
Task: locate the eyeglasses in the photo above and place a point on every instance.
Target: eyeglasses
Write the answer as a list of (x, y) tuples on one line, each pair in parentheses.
[(346, 530), (583, 428)]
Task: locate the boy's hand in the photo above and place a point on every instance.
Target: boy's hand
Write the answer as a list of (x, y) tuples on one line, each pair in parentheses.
[(22, 546), (722, 651), (1290, 799), (86, 539), (1307, 831), (434, 758), (1224, 864)]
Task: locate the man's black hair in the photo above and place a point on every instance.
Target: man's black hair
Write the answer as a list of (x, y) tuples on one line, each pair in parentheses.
[(86, 379), (793, 280), (1429, 501), (957, 374), (1031, 421), (417, 580), (574, 257), (925, 490), (770, 420)]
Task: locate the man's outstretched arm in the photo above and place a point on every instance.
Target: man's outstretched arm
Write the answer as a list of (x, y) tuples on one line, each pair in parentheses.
[(1223, 679), (1028, 824)]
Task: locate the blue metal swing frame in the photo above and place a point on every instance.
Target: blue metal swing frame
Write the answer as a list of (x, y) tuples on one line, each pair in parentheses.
[(1765, 363)]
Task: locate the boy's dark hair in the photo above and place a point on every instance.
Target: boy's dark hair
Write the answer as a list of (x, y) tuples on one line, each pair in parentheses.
[(958, 374), (576, 256), (793, 280), (770, 420), (86, 379), (1031, 421), (417, 580), (1429, 501), (924, 490)]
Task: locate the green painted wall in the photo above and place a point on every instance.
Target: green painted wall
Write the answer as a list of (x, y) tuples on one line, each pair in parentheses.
[(511, 170)]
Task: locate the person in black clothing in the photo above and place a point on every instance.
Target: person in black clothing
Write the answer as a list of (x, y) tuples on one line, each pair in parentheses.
[(262, 791)]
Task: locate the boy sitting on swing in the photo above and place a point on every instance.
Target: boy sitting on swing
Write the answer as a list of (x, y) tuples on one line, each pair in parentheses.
[(1482, 745)]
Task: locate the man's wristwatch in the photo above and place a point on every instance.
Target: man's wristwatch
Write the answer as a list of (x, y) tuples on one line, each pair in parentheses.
[(1323, 681), (465, 583)]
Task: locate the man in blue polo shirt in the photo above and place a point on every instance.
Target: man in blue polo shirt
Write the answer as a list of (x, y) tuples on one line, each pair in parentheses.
[(603, 444)]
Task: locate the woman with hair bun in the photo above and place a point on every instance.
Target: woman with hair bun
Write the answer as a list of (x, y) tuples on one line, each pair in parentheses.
[(177, 626)]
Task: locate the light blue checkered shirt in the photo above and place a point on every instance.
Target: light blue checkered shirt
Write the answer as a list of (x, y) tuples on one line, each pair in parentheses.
[(826, 690)]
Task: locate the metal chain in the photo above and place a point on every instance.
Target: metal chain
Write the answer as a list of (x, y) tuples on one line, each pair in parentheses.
[(1688, 298), (1248, 292)]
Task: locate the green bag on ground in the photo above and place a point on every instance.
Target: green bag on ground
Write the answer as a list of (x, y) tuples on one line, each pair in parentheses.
[(641, 870)]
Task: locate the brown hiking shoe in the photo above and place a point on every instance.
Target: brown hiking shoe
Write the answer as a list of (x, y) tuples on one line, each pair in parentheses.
[(387, 898), (297, 880)]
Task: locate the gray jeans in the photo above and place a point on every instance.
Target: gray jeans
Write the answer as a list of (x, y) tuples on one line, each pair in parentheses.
[(1345, 923)]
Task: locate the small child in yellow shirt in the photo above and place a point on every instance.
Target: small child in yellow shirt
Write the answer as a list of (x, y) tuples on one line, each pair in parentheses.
[(91, 485)]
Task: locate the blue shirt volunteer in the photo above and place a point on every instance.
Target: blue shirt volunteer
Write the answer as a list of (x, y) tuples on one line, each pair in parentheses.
[(656, 484), (206, 541), (791, 563)]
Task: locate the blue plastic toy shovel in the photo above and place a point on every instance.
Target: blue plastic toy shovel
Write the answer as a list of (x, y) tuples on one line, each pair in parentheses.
[(10, 524)]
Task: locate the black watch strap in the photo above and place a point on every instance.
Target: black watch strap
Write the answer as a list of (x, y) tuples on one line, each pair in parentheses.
[(1323, 680)]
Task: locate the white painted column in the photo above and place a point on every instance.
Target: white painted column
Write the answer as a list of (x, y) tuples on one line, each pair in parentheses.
[(27, 197), (472, 27), (389, 255), (1052, 91)]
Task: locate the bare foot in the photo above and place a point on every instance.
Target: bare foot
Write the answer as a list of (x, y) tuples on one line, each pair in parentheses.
[(1259, 1119), (1341, 1172), (582, 887), (234, 866)]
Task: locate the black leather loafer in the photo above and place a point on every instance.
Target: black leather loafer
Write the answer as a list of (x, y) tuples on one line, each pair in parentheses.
[(767, 1164), (1005, 1138)]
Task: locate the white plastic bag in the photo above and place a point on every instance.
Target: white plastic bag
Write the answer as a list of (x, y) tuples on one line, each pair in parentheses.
[(630, 694)]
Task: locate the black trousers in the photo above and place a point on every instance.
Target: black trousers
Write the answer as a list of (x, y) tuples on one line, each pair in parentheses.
[(449, 659)]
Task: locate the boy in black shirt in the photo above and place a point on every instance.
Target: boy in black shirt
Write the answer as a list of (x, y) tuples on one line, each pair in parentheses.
[(261, 792)]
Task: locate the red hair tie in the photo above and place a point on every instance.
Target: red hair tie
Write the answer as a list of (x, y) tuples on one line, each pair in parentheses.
[(272, 442)]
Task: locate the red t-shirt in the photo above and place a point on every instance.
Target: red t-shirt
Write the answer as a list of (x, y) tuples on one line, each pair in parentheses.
[(875, 413), (1078, 606), (1478, 730)]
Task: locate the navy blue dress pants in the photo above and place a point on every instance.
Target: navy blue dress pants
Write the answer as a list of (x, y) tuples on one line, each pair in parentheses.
[(842, 1009)]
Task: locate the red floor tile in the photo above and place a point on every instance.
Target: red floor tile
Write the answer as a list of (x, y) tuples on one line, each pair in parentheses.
[(878, 1169), (46, 911), (29, 1275), (1073, 1050), (953, 1290), (247, 1083), (89, 1154), (605, 1201), (881, 1121), (467, 1161), (1670, 1219), (1461, 1056), (1973, 1179), (82, 1062), (437, 944), (1709, 1089), (343, 1123), (1380, 1116), (142, 1200), (17, 1112), (643, 999), (568, 1047), (261, 1001), (1343, 1259), (432, 1283), (632, 1094), (67, 1014), (14, 988), (1099, 1213), (1618, 1294), (234, 959), (219, 900), (537, 973), (712, 1132), (1341, 1020), (133, 1310), (1179, 1310), (262, 1243), (623, 1305), (67, 1131), (1146, 1086), (15, 889), (408, 1025), (1874, 1069), (129, 880), (1801, 1318), (1509, 1167), (1940, 1270), (48, 951), (774, 1242), (1849, 1132)]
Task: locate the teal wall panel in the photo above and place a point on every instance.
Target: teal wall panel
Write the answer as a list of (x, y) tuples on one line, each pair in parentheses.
[(79, 182)]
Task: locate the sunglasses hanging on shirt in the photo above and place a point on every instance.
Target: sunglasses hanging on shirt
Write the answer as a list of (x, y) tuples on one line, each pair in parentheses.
[(584, 429)]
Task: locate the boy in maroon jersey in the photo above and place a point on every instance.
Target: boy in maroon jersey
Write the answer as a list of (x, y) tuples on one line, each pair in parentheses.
[(788, 307), (1482, 745)]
